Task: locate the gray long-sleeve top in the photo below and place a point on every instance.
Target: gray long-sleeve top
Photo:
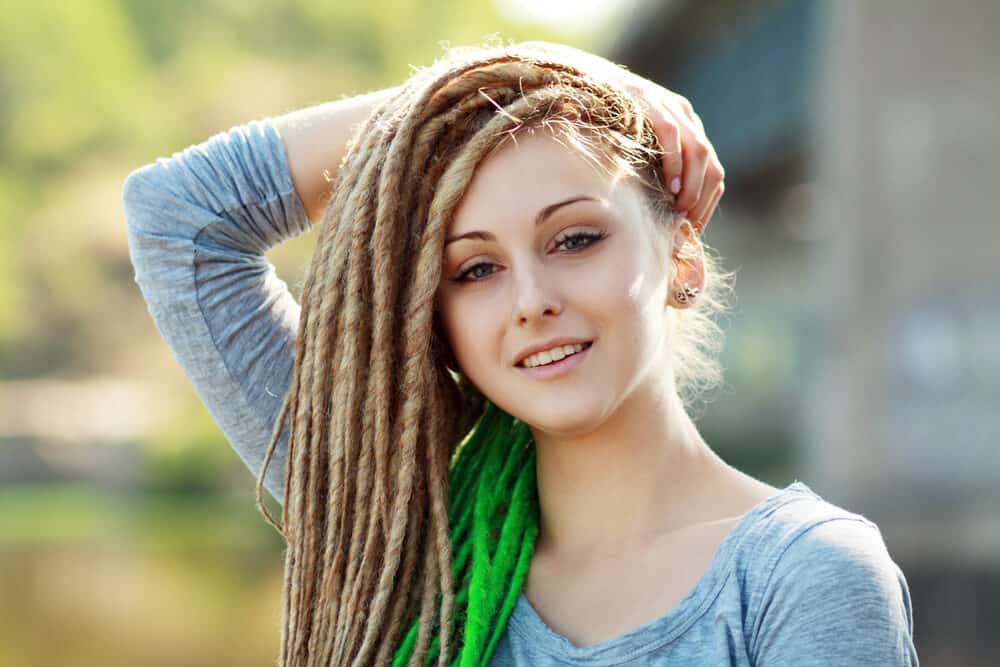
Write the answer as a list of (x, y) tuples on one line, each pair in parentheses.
[(198, 226), (799, 581)]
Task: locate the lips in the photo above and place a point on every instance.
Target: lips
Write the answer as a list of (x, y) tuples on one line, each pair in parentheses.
[(564, 368), (548, 345), (583, 348)]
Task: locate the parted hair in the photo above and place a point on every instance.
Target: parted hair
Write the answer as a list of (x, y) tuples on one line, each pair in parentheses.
[(410, 508)]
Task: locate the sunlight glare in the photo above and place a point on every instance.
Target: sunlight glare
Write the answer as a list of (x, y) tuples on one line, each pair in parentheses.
[(564, 15)]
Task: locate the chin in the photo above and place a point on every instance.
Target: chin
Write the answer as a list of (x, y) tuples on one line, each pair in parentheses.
[(560, 419)]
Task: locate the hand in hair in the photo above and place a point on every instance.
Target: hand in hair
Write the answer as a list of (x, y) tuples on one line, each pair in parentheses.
[(691, 167), (316, 139)]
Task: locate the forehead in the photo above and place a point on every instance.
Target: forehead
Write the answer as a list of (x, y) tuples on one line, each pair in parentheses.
[(528, 172)]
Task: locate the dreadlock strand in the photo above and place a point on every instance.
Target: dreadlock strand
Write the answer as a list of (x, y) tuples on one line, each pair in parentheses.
[(339, 504), (428, 611), (378, 390), (438, 455), (327, 462), (404, 606), (358, 349), (410, 424), (390, 246), (524, 532), (300, 593), (478, 592), (268, 456)]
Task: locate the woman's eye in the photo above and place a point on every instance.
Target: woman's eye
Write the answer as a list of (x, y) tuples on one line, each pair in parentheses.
[(580, 240), (474, 270)]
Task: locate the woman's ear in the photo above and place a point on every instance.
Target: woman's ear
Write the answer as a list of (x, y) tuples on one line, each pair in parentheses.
[(688, 257)]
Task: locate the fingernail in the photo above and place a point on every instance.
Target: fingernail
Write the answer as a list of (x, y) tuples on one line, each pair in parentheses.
[(683, 214), (675, 184)]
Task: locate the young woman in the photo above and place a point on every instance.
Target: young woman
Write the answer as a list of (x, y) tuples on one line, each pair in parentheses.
[(476, 424)]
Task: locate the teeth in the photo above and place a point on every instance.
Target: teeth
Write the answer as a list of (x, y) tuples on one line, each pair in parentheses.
[(548, 356)]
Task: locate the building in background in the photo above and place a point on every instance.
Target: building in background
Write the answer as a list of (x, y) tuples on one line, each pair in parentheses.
[(862, 149)]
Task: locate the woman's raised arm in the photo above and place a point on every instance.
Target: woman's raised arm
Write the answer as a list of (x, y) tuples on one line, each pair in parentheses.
[(316, 141), (199, 224)]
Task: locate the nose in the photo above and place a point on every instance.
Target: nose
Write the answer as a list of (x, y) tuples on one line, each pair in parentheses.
[(534, 296)]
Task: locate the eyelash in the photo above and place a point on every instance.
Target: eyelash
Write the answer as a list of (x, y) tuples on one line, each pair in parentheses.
[(592, 238)]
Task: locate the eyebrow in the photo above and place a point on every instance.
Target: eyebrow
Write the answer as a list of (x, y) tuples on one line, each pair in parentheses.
[(544, 214)]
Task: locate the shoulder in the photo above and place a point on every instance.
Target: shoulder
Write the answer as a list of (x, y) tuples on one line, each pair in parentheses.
[(797, 531), (792, 516), (816, 574)]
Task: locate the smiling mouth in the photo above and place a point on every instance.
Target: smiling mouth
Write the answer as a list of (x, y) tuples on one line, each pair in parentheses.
[(584, 348)]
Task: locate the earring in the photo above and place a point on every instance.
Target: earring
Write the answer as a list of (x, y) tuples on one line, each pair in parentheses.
[(687, 293)]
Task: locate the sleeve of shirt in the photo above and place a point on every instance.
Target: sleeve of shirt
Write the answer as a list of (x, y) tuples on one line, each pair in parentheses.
[(835, 597), (198, 225)]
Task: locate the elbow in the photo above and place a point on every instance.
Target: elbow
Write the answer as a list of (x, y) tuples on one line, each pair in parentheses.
[(151, 198), (149, 230), (137, 192)]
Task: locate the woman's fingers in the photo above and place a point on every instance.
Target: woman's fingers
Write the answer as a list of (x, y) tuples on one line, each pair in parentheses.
[(669, 136), (691, 168), (696, 156), (675, 132), (712, 187), (704, 182), (702, 213)]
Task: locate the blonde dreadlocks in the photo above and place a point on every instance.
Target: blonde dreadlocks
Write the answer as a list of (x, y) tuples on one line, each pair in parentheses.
[(409, 534)]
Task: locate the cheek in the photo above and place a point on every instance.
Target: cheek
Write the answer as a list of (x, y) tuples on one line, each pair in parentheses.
[(468, 325), (632, 302), (622, 289)]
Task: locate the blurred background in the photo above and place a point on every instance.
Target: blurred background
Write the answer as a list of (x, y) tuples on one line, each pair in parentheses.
[(862, 356)]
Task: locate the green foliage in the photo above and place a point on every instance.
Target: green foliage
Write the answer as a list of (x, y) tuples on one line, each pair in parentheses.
[(190, 456), (67, 68)]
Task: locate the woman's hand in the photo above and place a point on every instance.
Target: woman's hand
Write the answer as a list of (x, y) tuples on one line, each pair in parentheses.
[(691, 169)]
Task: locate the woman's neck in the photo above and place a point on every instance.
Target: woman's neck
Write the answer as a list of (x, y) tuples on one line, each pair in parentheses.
[(646, 471)]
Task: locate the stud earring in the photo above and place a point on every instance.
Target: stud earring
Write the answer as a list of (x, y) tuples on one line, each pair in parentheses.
[(687, 293)]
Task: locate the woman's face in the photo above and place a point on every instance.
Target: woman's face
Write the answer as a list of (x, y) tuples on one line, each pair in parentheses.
[(545, 247)]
